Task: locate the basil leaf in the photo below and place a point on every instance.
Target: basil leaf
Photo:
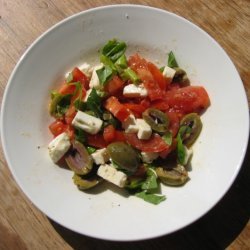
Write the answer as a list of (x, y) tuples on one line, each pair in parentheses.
[(69, 78), (114, 49), (134, 183), (93, 103), (161, 69), (104, 74), (129, 74), (168, 138), (151, 181), (122, 62), (59, 104), (106, 61), (172, 63), (80, 135), (91, 150), (181, 152), (151, 198), (80, 105)]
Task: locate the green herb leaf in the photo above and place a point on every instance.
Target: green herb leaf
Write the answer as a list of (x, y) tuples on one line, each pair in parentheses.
[(93, 103), (80, 105), (134, 183), (151, 181), (104, 74), (129, 74), (161, 69), (151, 198), (59, 104), (91, 150), (122, 62), (181, 152), (172, 63), (107, 62), (168, 138), (114, 49), (80, 135)]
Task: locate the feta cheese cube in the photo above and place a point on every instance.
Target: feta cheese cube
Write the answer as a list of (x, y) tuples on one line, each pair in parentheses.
[(144, 130), (109, 173), (86, 122), (85, 68), (100, 156), (169, 73), (59, 146), (94, 81), (130, 125), (148, 157), (132, 90)]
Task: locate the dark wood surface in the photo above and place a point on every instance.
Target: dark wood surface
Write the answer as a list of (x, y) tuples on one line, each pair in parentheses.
[(23, 226)]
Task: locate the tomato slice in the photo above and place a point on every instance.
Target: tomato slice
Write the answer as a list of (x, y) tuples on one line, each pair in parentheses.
[(154, 144), (158, 76), (96, 141), (174, 122), (136, 109), (67, 89), (57, 127), (109, 133), (154, 91), (113, 105), (70, 114), (119, 136), (188, 99), (79, 76), (114, 85)]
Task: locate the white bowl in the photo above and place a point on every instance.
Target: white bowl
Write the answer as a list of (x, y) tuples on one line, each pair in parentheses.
[(110, 214)]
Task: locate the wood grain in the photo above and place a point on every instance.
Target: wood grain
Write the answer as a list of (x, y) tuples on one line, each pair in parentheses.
[(23, 226)]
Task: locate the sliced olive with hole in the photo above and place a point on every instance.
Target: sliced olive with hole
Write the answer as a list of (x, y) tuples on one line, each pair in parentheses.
[(156, 119), (83, 183), (78, 159), (194, 125), (174, 177), (124, 156), (181, 77)]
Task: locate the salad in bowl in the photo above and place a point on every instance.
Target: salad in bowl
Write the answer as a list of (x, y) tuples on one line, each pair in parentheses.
[(126, 121)]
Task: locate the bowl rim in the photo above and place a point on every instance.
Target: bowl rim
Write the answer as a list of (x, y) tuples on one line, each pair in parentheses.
[(62, 22)]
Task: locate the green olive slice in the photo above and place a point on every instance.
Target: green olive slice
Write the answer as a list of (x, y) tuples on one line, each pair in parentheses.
[(156, 119), (82, 183), (174, 177), (78, 159), (181, 77), (194, 124), (124, 156)]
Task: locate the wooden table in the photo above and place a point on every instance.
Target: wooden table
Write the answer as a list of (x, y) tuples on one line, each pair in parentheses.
[(23, 226)]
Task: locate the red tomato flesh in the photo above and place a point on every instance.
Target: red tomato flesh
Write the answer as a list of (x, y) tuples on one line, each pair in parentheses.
[(116, 108), (154, 144)]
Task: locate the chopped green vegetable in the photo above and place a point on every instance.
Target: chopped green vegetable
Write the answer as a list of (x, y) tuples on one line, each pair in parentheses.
[(104, 74), (162, 69), (91, 150), (151, 198), (114, 49), (181, 152), (93, 103), (172, 63), (168, 138), (122, 62), (80, 135), (59, 104), (107, 62), (151, 181), (129, 74)]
